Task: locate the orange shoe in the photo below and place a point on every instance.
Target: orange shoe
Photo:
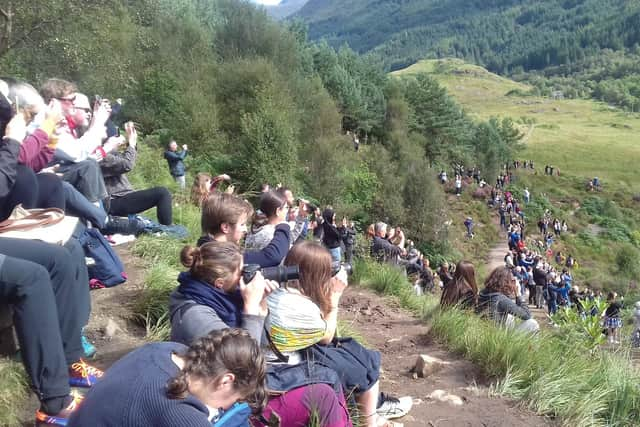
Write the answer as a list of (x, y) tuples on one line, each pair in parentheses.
[(81, 374), (60, 419)]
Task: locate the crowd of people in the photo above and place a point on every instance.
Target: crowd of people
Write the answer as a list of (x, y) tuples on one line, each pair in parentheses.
[(248, 342), (254, 316)]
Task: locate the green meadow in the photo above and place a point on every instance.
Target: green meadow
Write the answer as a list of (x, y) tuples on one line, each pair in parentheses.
[(579, 137)]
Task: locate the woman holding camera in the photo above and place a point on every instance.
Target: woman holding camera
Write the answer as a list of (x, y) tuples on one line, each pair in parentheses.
[(273, 211), (224, 219), (315, 298), (212, 296)]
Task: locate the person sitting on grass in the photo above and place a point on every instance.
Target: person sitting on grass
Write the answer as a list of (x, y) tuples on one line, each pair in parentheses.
[(462, 290), (169, 384), (123, 199), (224, 219), (496, 301), (44, 285), (212, 296), (314, 299)]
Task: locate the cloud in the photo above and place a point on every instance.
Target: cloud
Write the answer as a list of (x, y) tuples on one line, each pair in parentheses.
[(268, 2)]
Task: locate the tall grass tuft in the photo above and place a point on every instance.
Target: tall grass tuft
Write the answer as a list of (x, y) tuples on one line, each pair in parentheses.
[(153, 303), (13, 392)]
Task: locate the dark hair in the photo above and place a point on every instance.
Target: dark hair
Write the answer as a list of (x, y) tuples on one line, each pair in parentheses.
[(219, 208), (501, 280), (224, 351), (270, 202), (462, 285), (212, 261), (314, 261)]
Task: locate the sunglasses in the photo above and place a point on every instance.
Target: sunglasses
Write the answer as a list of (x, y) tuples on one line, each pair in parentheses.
[(69, 99)]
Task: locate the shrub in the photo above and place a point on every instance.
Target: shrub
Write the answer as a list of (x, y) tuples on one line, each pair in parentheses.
[(628, 261)]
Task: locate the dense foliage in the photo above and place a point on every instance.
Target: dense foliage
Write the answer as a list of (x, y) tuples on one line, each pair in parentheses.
[(259, 101), (587, 48)]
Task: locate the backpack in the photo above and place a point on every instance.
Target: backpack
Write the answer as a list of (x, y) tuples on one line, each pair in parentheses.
[(107, 271)]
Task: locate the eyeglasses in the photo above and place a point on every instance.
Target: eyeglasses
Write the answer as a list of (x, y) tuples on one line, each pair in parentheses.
[(70, 99)]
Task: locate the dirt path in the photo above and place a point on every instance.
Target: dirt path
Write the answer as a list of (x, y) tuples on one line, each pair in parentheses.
[(401, 339)]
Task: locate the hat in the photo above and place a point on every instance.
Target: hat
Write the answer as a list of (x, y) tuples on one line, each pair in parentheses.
[(81, 101)]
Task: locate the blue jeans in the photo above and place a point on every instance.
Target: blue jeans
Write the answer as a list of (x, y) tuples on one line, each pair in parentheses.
[(336, 254), (78, 205)]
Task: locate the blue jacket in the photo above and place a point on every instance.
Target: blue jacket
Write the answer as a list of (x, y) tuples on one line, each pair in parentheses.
[(272, 254), (135, 391), (175, 160)]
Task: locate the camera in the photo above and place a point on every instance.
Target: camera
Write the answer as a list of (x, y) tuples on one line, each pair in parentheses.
[(280, 273), (337, 265)]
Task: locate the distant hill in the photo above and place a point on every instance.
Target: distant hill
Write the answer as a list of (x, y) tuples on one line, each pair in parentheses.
[(504, 35)]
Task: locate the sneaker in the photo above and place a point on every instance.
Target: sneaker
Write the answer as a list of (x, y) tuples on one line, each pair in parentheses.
[(60, 419), (394, 407), (81, 374), (88, 348)]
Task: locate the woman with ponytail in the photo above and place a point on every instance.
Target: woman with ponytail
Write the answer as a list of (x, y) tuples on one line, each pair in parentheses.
[(212, 296), (172, 385), (273, 211)]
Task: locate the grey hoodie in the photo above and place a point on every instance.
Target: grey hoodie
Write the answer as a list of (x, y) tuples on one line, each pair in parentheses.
[(190, 320)]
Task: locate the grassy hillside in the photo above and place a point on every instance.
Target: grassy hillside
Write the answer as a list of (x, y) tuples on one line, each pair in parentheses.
[(502, 34), (581, 138)]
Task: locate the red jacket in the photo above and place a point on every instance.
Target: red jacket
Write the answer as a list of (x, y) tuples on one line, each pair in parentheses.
[(34, 152)]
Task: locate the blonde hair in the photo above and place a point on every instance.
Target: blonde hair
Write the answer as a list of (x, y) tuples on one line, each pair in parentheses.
[(199, 190)]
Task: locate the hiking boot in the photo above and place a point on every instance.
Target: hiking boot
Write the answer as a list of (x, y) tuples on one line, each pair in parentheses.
[(394, 407), (88, 349), (61, 418), (81, 374), (119, 225)]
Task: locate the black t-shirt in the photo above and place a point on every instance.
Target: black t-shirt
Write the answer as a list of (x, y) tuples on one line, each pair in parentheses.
[(613, 310)]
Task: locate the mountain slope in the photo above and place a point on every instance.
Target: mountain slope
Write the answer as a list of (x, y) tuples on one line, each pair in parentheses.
[(285, 8), (503, 35)]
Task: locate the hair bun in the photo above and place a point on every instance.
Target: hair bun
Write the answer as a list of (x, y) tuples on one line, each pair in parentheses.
[(189, 255)]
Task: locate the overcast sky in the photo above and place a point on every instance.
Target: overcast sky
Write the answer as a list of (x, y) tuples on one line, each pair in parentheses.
[(268, 2)]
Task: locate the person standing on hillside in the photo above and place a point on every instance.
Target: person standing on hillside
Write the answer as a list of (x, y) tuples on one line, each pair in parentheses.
[(175, 160)]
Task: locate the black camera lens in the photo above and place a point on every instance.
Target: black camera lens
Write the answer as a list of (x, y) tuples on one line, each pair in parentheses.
[(281, 273)]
